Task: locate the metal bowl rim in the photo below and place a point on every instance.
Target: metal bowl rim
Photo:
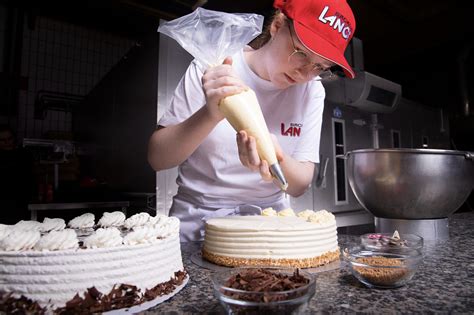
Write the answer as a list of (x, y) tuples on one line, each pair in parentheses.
[(407, 150)]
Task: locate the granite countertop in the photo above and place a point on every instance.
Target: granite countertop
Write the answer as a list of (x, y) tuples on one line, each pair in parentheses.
[(444, 283)]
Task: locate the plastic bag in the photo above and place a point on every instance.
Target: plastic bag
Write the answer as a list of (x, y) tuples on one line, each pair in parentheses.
[(211, 36)]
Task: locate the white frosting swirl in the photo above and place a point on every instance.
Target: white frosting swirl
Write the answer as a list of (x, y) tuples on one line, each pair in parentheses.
[(115, 218), (5, 230), (141, 235), (104, 237), (269, 212), (306, 214), (168, 227), (53, 225), (322, 216), (26, 225), (156, 220), (136, 220), (58, 240), (83, 221), (20, 239), (288, 212)]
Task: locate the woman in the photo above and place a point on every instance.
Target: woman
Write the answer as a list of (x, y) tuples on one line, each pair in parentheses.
[(220, 173)]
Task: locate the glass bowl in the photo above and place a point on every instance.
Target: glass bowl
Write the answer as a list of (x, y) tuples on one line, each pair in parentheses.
[(386, 242), (378, 269), (257, 290)]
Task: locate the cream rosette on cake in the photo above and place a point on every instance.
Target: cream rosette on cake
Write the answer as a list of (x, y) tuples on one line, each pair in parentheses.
[(136, 220), (110, 219), (58, 240), (103, 238), (55, 224), (20, 240)]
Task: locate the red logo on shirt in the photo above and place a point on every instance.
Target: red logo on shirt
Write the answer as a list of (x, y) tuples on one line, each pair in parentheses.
[(293, 130)]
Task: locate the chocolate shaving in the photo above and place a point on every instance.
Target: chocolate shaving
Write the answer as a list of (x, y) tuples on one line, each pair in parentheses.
[(76, 300), (21, 305), (258, 281), (166, 287), (121, 296)]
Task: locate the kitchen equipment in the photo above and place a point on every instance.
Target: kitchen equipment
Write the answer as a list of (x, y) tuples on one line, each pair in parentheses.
[(378, 269), (411, 190)]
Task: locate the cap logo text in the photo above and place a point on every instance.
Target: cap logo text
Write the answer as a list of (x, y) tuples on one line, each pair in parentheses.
[(338, 22)]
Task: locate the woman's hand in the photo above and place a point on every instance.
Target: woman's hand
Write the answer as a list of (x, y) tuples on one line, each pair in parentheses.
[(219, 82), (248, 154)]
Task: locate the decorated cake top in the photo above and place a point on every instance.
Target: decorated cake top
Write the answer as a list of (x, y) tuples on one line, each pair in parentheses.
[(112, 230), (321, 216), (271, 220)]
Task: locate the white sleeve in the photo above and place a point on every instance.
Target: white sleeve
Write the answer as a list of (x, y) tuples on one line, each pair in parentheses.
[(308, 145), (188, 97)]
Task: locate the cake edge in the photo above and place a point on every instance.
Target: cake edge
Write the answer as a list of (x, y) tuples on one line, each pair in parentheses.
[(273, 262), (95, 301)]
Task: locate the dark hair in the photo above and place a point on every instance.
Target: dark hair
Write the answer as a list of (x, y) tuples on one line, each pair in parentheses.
[(265, 36)]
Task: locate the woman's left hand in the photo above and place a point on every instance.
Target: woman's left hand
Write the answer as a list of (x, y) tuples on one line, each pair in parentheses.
[(248, 154)]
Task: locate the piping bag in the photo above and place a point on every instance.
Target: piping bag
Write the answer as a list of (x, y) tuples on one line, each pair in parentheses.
[(210, 36)]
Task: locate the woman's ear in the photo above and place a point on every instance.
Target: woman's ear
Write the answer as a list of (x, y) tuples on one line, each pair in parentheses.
[(279, 20)]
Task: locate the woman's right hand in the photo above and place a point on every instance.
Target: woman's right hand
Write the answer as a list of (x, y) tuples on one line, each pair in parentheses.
[(219, 82)]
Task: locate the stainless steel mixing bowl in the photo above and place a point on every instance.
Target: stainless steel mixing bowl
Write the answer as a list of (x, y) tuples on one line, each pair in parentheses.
[(410, 183)]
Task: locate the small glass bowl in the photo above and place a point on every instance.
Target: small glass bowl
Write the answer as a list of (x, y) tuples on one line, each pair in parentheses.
[(384, 242), (236, 301), (378, 269)]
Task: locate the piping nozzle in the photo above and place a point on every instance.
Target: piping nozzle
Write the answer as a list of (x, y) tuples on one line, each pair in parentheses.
[(276, 171)]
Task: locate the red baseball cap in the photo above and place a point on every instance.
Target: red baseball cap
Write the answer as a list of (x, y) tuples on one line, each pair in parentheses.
[(325, 27)]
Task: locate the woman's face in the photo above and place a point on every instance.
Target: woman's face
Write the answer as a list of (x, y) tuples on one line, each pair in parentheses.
[(280, 70)]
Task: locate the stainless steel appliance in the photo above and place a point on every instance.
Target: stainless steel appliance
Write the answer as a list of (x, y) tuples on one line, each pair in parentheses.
[(411, 190)]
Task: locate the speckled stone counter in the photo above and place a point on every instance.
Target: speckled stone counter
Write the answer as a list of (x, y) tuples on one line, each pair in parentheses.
[(443, 284)]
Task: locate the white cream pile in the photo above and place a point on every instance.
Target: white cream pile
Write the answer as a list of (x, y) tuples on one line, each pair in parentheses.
[(52, 235), (321, 216)]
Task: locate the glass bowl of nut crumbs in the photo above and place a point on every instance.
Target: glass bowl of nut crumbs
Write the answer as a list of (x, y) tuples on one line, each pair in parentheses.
[(382, 269)]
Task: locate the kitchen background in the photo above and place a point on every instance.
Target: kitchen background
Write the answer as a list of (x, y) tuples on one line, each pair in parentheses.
[(80, 82)]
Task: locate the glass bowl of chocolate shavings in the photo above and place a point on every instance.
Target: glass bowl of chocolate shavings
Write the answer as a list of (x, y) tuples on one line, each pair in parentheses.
[(379, 269), (388, 242), (257, 290)]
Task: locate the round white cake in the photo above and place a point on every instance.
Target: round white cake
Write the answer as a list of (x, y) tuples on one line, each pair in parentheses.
[(59, 272), (276, 240)]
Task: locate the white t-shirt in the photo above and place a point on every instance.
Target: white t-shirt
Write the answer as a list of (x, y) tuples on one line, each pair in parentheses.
[(213, 175)]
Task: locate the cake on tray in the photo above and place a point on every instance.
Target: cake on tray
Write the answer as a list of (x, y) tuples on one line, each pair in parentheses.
[(88, 268), (280, 239)]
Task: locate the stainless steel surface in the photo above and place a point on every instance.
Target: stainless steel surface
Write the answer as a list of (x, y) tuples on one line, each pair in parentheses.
[(375, 126), (429, 229), (410, 183)]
